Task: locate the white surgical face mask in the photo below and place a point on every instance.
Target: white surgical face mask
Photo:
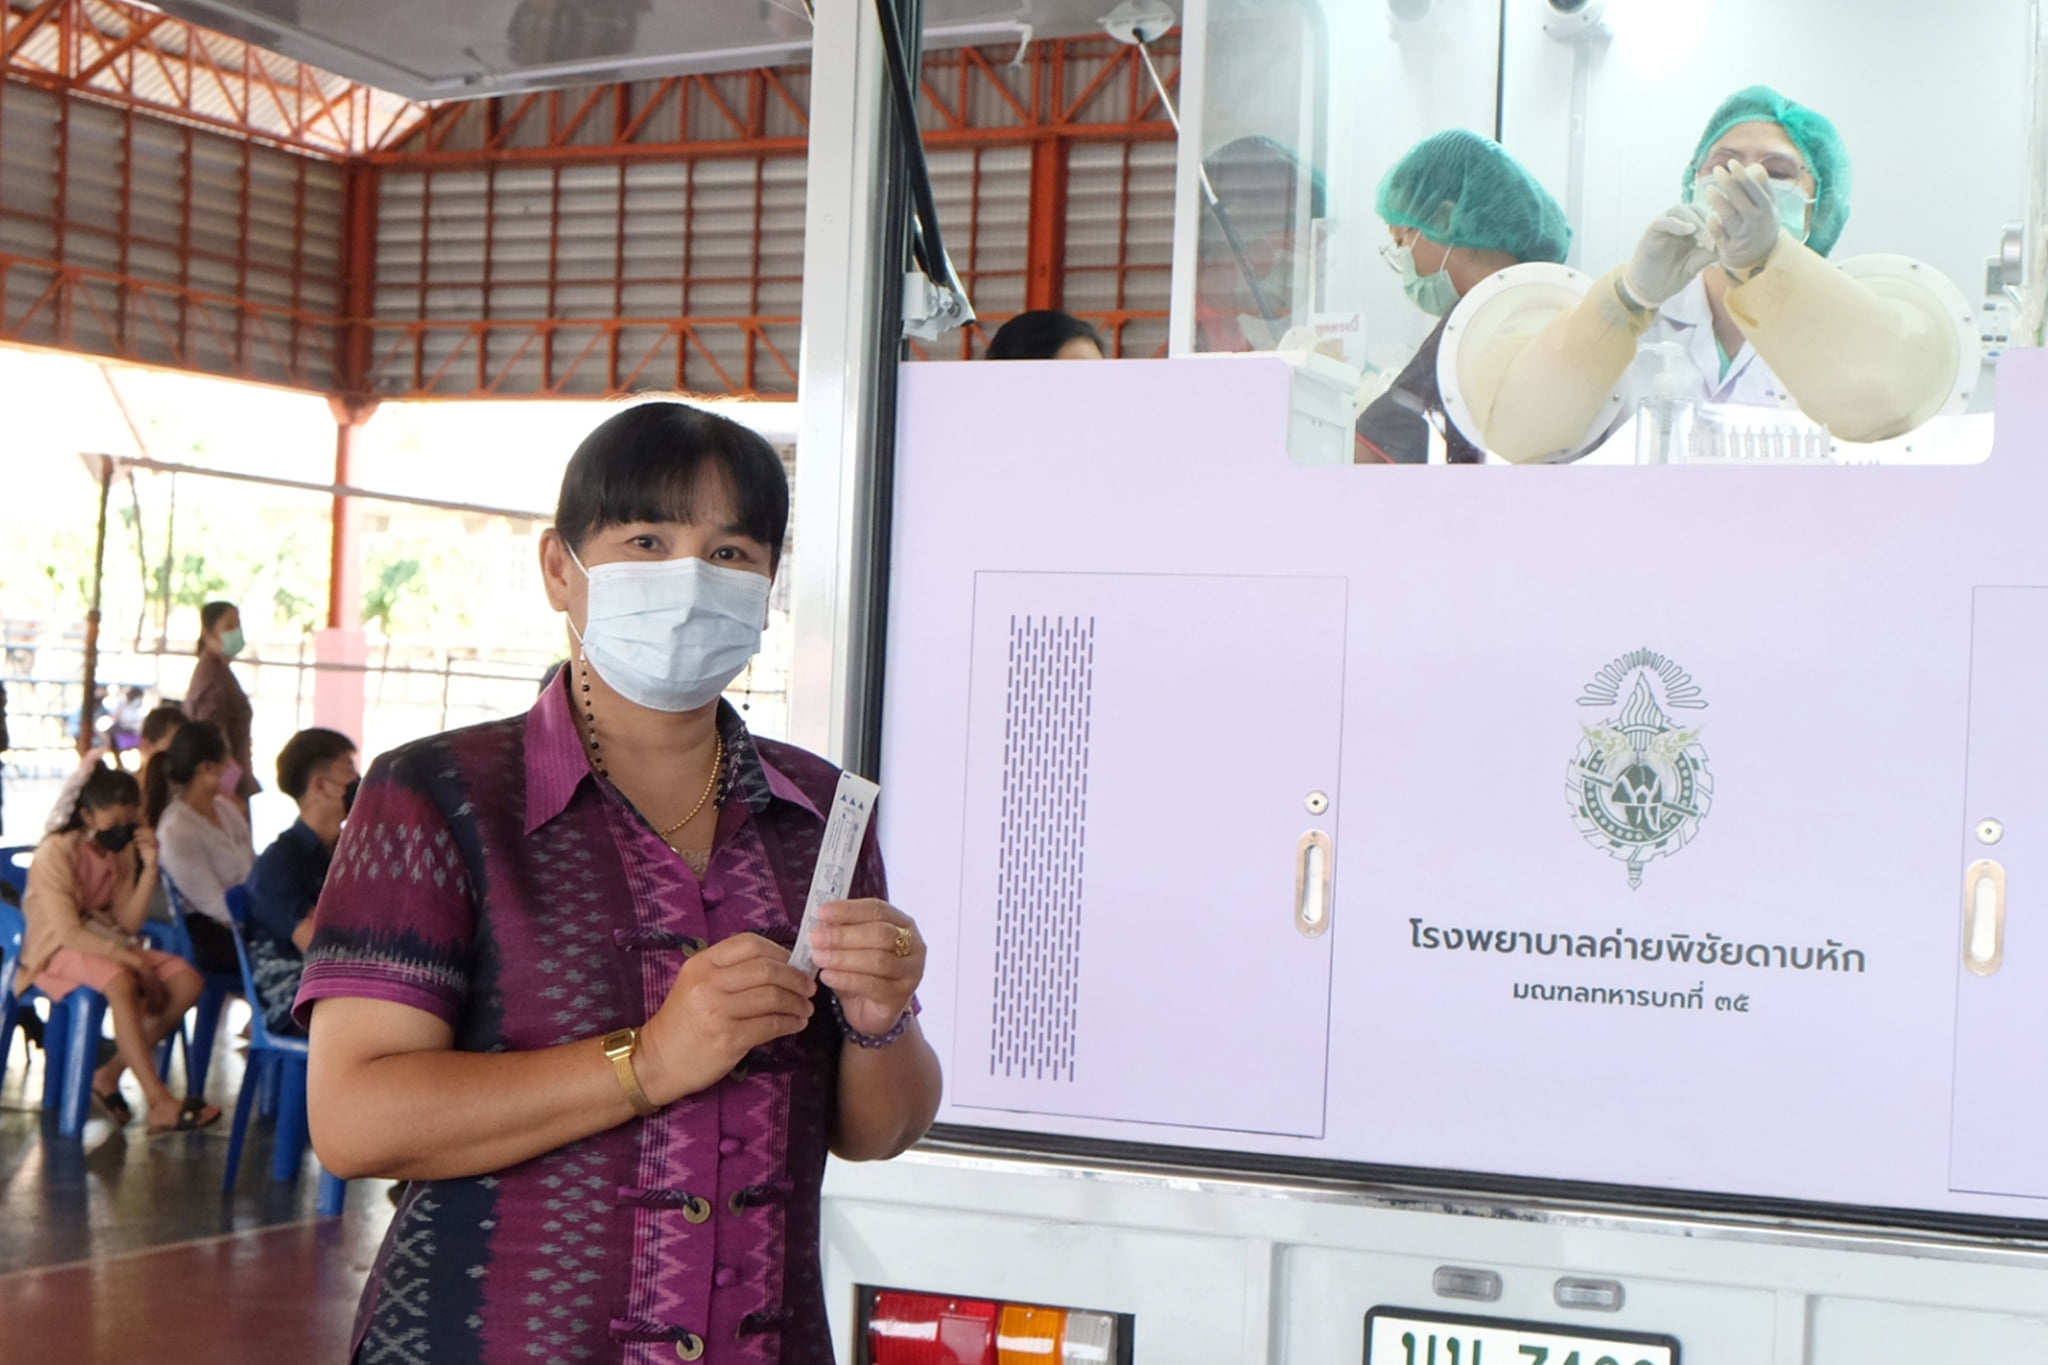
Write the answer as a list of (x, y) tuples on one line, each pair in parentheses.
[(670, 634)]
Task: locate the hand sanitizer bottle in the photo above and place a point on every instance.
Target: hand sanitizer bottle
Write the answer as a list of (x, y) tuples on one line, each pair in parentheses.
[(1668, 415)]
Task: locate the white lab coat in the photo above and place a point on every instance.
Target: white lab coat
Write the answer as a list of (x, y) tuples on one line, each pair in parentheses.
[(1687, 318)]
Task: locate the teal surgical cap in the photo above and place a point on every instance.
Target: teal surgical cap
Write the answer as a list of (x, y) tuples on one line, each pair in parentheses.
[(1461, 189), (1819, 145)]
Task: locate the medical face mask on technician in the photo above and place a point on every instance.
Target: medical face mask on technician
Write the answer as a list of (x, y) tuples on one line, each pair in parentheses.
[(670, 634), (1434, 293)]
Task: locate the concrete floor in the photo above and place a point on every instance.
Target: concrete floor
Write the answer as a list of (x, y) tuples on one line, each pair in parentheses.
[(131, 1252)]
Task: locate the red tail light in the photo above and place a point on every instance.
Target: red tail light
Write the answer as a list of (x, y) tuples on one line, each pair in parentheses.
[(927, 1329), (901, 1327)]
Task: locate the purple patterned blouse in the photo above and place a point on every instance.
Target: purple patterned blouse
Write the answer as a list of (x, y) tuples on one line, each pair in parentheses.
[(489, 877)]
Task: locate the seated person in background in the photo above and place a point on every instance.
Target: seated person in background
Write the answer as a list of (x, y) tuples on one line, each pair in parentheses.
[(158, 728), (1045, 334), (203, 838), (67, 795), (1459, 209), (124, 732), (155, 732), (317, 769), (88, 892)]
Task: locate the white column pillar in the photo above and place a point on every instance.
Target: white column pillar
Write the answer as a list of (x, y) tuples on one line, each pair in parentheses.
[(837, 377)]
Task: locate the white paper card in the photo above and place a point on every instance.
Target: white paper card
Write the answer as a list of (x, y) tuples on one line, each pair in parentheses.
[(846, 825)]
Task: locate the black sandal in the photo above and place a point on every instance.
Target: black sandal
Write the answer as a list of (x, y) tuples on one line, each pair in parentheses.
[(116, 1105), (192, 1117)]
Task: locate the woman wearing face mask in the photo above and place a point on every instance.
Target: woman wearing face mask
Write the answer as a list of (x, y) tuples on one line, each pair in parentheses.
[(1736, 274), (1458, 209), (549, 981), (87, 896), (204, 837), (214, 693)]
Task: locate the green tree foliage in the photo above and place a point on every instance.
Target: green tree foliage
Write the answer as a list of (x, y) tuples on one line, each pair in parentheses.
[(394, 578)]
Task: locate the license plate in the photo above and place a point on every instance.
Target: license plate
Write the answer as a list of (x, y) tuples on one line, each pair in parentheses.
[(1400, 1336)]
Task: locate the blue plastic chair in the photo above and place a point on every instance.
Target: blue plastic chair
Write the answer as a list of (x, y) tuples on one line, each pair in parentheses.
[(213, 996), (14, 861), (14, 873), (272, 1061)]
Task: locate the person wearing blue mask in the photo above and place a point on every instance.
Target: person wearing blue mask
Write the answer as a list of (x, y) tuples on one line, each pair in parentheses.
[(1458, 209), (1736, 274), (550, 982)]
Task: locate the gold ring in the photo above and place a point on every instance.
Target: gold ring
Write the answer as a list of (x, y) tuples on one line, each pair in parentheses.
[(905, 941)]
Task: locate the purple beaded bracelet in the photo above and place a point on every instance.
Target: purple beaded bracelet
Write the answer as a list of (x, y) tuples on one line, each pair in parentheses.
[(854, 1035)]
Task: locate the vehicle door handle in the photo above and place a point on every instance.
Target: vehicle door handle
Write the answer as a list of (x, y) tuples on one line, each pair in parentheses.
[(1312, 869), (1984, 917)]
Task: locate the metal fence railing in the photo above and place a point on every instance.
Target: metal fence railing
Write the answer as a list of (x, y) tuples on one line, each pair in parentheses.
[(409, 690)]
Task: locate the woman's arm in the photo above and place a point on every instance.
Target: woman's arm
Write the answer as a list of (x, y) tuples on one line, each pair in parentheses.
[(50, 905), (80, 939), (887, 1095), (131, 907), (389, 1096)]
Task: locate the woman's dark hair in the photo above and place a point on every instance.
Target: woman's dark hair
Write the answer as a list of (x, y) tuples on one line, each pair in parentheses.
[(209, 617), (161, 720), (644, 464), (197, 743), (1039, 334), (104, 787)]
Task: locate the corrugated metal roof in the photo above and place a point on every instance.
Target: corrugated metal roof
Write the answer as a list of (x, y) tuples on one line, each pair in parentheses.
[(181, 68), (1119, 250), (678, 258), (176, 214)]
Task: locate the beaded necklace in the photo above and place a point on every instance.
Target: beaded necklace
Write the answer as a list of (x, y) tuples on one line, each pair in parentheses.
[(697, 862)]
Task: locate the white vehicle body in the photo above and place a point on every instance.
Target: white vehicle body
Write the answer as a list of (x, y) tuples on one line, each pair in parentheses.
[(1214, 1058)]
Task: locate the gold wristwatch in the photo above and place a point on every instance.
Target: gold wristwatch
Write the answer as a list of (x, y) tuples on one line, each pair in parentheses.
[(619, 1048)]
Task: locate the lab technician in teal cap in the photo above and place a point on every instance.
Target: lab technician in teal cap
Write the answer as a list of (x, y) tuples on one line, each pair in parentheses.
[(1458, 208), (1736, 274)]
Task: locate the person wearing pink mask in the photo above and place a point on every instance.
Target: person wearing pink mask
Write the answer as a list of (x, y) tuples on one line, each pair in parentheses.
[(202, 838)]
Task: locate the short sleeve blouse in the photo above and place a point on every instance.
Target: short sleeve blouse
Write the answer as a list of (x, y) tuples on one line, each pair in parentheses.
[(488, 877)]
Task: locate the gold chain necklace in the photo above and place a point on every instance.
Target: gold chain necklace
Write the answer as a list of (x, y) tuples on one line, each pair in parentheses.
[(696, 861)]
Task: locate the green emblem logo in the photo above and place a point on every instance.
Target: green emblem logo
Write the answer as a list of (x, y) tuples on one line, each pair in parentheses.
[(1639, 785)]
